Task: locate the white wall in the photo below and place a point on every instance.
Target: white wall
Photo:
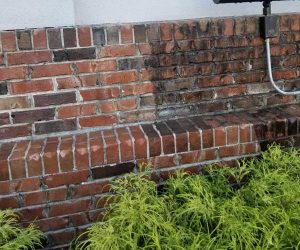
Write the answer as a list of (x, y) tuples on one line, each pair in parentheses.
[(18, 14), (114, 11)]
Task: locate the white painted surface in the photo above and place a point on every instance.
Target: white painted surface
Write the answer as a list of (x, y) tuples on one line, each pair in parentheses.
[(114, 11), (19, 14)]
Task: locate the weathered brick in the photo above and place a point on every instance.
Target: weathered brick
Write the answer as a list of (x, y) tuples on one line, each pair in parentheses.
[(30, 86), (111, 147), (24, 40), (50, 156), (4, 119), (84, 36), (140, 33), (55, 126), (54, 38), (12, 73), (112, 35), (51, 70), (33, 57), (15, 131), (33, 159), (96, 149), (74, 54), (110, 171), (3, 88), (166, 30), (66, 157), (30, 116), (54, 99), (119, 77), (126, 33), (39, 39), (99, 36), (70, 39), (118, 51), (99, 120), (81, 153), (96, 66), (153, 32), (8, 103), (8, 41)]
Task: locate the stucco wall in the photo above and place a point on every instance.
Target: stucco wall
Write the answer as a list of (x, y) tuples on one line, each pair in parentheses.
[(19, 14)]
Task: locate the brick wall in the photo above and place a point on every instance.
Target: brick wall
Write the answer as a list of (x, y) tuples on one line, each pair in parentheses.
[(79, 105)]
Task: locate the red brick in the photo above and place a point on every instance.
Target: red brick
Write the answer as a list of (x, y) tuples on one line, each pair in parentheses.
[(97, 149), (295, 23), (126, 33), (248, 148), (228, 27), (111, 146), (69, 207), (197, 156), (75, 177), (8, 202), (62, 237), (126, 144), (98, 120), (166, 30), (140, 142), (51, 70), (25, 185), (94, 188), (8, 40), (53, 223), (81, 152), (96, 66), (33, 159), (32, 213), (84, 36), (66, 154), (17, 160), (229, 151), (50, 156), (220, 136), (49, 195), (76, 110), (118, 51), (12, 73), (245, 133), (5, 151), (78, 81), (119, 77), (232, 135), (32, 57), (284, 74), (99, 94), (39, 39), (154, 140), (31, 86), (138, 89)]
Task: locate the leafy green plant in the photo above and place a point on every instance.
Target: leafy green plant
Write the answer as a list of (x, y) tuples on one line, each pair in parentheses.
[(13, 237), (253, 206)]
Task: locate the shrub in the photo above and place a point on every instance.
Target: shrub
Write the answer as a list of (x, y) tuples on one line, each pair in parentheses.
[(13, 237), (253, 206)]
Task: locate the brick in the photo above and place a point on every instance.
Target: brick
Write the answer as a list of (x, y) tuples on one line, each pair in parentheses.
[(119, 77), (15, 131), (69, 207), (94, 188), (153, 140), (153, 32), (126, 33), (232, 135), (13, 102), (54, 99), (99, 94), (81, 153), (131, 63), (54, 38), (168, 143), (220, 136), (77, 81), (140, 142), (31, 86), (251, 25), (30, 116), (181, 136), (50, 156), (245, 133), (33, 159), (99, 36), (295, 23), (96, 66), (166, 30), (24, 40), (66, 158), (111, 147), (4, 119), (5, 151), (118, 50), (39, 39), (74, 54), (8, 41), (229, 151), (3, 88), (126, 144), (2, 58), (96, 149), (34, 57), (84, 36), (141, 88), (76, 110), (70, 39), (51, 70), (228, 27), (98, 120), (140, 33), (12, 73), (47, 127), (9, 202), (239, 28), (112, 35), (110, 171), (17, 160)]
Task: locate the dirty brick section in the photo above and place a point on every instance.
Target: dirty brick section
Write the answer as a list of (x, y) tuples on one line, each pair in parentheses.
[(79, 105)]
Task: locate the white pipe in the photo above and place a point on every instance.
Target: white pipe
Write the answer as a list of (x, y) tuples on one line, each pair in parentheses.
[(270, 73)]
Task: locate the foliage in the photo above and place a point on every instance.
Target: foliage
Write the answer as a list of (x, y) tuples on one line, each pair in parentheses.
[(253, 206), (13, 237)]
